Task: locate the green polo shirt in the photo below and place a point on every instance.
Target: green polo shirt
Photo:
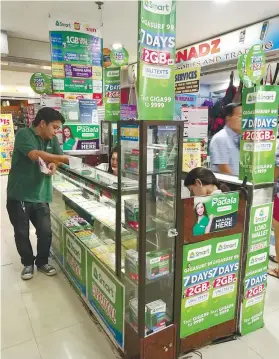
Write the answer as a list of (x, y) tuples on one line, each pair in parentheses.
[(26, 181), (199, 228)]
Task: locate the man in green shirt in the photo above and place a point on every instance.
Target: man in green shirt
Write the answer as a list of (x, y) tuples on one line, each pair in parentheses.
[(29, 189)]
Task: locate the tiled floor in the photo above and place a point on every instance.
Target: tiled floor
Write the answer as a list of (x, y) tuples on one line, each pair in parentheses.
[(44, 319)]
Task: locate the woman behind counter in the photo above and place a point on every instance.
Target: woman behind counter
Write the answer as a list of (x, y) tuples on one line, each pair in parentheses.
[(202, 182), (112, 166)]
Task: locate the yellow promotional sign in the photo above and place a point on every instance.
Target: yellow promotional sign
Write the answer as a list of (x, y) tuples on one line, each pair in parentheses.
[(7, 139), (191, 156), (58, 70), (187, 80)]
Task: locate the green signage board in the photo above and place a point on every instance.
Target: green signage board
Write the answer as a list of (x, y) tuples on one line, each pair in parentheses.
[(255, 63), (106, 295), (215, 213), (156, 60), (41, 83), (259, 132), (73, 85), (112, 94), (119, 57), (210, 279), (57, 243), (241, 68), (255, 281), (75, 260), (80, 137)]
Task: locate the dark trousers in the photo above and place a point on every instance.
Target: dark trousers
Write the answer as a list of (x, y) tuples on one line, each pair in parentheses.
[(20, 214)]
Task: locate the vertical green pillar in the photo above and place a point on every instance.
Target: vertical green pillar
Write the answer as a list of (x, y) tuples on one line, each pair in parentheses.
[(112, 93)]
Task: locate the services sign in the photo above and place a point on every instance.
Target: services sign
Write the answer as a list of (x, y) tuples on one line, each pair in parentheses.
[(209, 290), (106, 295), (187, 80), (230, 46), (156, 59), (255, 280), (259, 132)]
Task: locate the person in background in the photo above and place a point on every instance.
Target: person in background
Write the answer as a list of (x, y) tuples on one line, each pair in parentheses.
[(202, 182), (29, 190), (113, 162), (225, 145), (275, 271)]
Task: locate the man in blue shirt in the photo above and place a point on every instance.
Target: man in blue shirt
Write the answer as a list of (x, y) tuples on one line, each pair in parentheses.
[(224, 146)]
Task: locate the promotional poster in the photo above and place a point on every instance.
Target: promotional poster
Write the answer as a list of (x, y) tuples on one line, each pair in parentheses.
[(7, 142), (88, 111), (183, 101), (70, 110), (255, 281), (209, 288), (156, 60), (259, 132), (112, 93), (215, 213), (76, 52), (80, 137)]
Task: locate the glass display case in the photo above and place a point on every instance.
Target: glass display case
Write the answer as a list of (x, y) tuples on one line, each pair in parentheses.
[(116, 237)]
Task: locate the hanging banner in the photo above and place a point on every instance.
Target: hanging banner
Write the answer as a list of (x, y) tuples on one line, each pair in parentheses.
[(255, 64), (7, 138), (209, 289), (230, 46), (255, 280), (112, 94), (76, 53), (187, 80), (156, 59), (242, 73), (41, 83), (119, 57), (106, 295), (259, 132)]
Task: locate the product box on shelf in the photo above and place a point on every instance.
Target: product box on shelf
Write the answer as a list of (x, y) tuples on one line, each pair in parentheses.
[(156, 315), (131, 264), (133, 313), (157, 264), (131, 209), (131, 160), (160, 159)]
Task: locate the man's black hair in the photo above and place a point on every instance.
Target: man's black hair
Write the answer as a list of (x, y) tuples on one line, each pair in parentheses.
[(48, 115), (230, 108)]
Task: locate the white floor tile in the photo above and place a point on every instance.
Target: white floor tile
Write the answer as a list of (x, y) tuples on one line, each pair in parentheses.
[(272, 295), (5, 257), (229, 350), (81, 341), (27, 350), (54, 308)]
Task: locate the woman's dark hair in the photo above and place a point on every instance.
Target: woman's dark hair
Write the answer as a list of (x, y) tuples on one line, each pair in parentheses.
[(67, 128), (204, 213), (206, 177), (48, 115), (114, 150)]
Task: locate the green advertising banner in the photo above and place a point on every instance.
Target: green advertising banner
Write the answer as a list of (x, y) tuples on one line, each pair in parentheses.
[(241, 69), (41, 83), (106, 295), (112, 94), (80, 137), (210, 280), (57, 243), (76, 56), (259, 132), (119, 57), (255, 281), (255, 63), (215, 213), (156, 59), (75, 261)]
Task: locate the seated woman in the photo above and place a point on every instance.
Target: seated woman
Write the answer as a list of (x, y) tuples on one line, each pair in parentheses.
[(112, 166)]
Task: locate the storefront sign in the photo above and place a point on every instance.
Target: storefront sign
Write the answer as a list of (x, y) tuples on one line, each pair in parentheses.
[(255, 281), (255, 63), (187, 80), (7, 142), (41, 83), (106, 295), (112, 94), (183, 100), (209, 288), (80, 137), (230, 46), (215, 213), (156, 59), (259, 132), (76, 48), (75, 261)]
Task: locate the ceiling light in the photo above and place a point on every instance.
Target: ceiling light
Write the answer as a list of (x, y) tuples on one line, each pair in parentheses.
[(222, 1), (117, 46), (46, 67)]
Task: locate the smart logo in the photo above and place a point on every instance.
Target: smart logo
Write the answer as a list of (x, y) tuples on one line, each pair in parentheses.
[(261, 96), (227, 246), (160, 7), (103, 282), (62, 24), (261, 215), (198, 253), (257, 259)]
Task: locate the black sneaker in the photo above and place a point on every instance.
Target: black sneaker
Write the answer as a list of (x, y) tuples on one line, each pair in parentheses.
[(27, 272), (47, 269)]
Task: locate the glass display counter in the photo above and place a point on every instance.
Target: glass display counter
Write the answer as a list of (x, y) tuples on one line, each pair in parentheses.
[(115, 237)]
